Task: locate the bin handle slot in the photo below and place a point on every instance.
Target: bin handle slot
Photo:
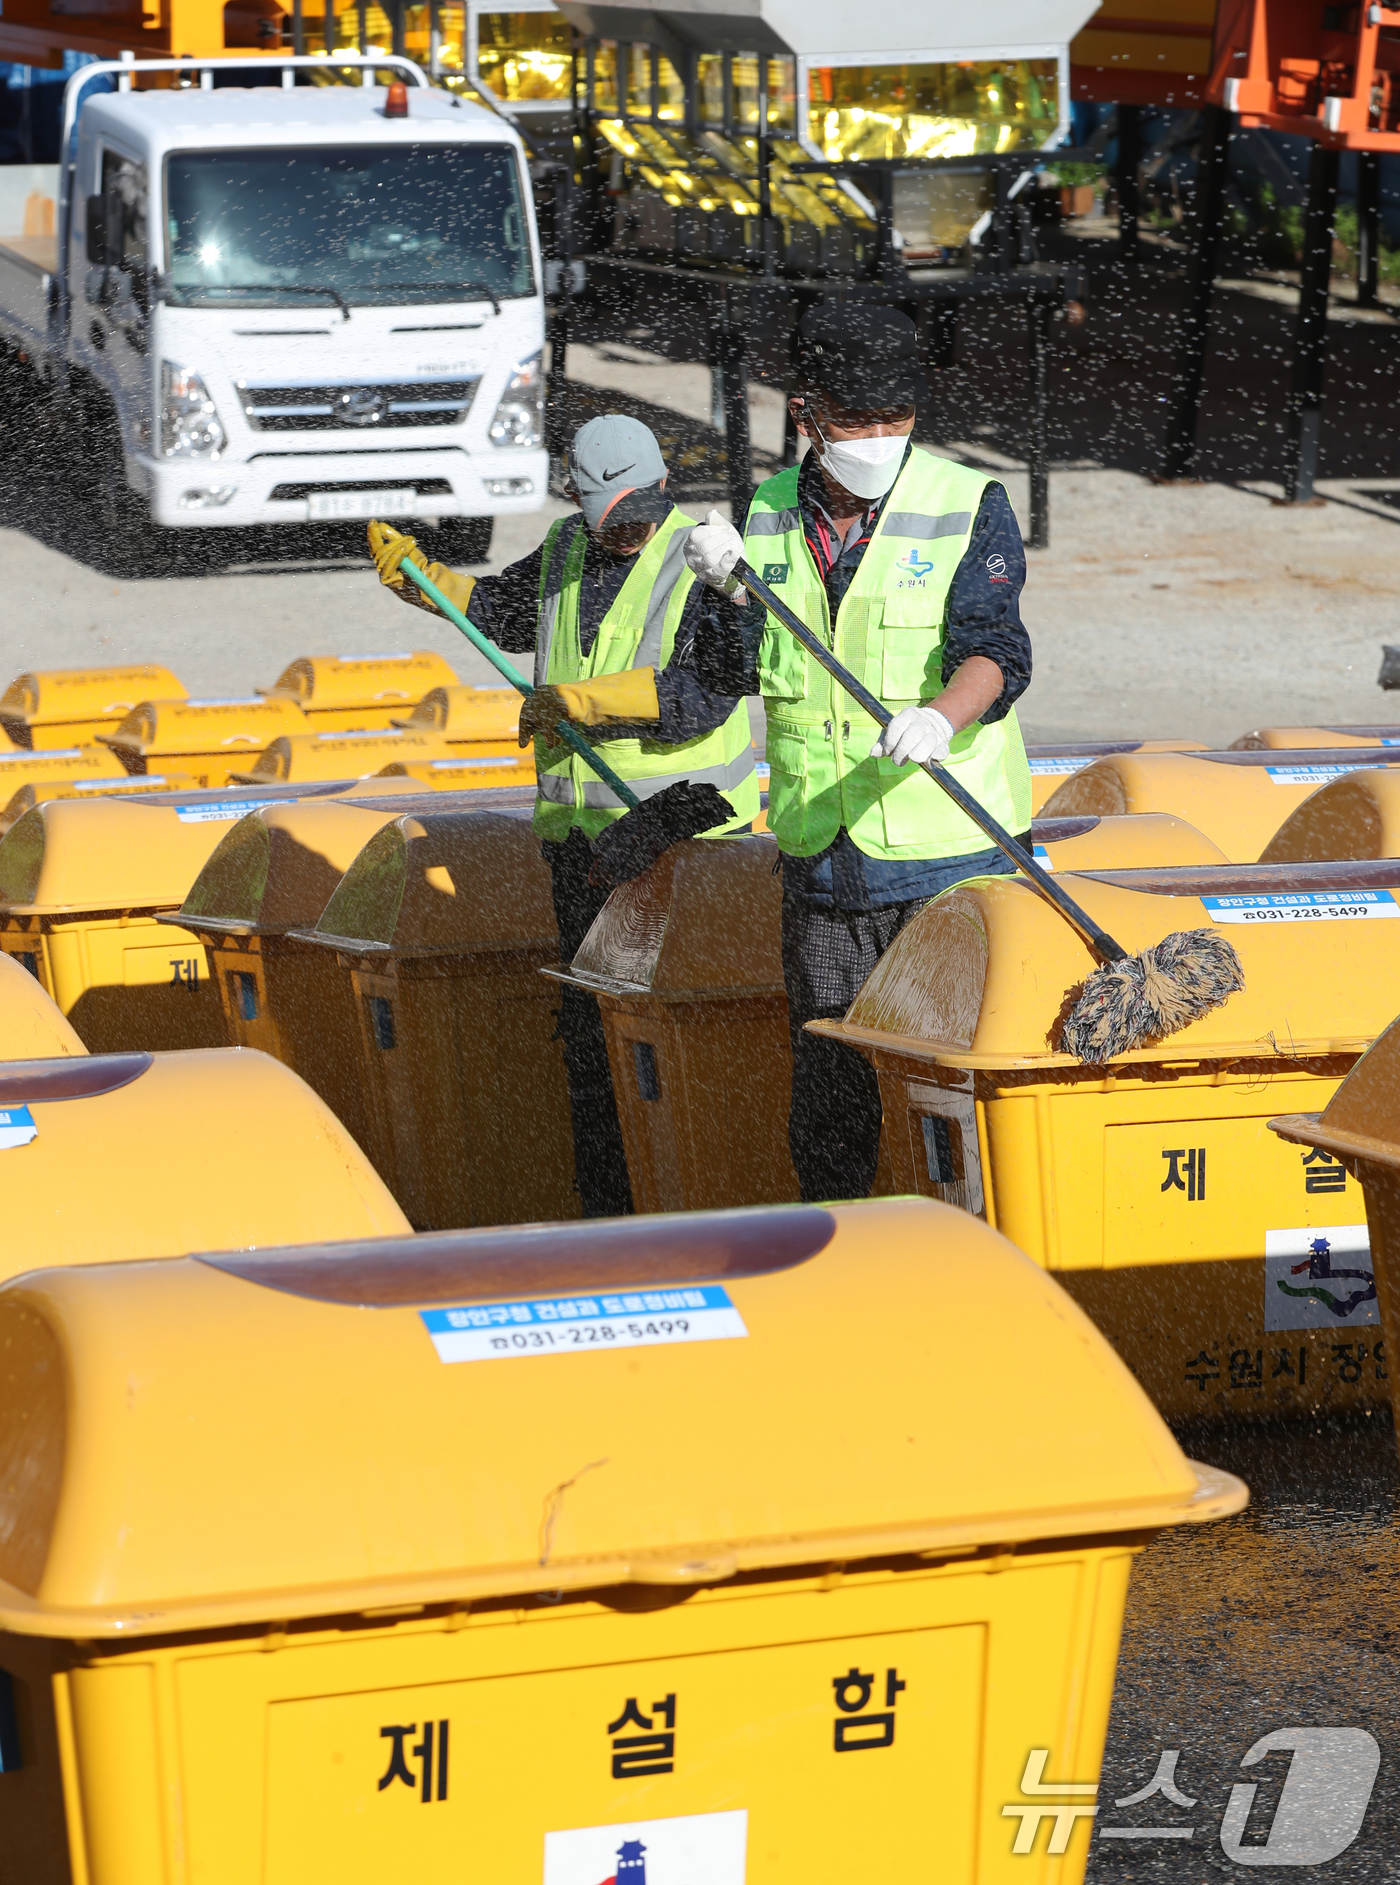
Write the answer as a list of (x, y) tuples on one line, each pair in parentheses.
[(71, 1077), (501, 1265), (1056, 830), (1237, 880)]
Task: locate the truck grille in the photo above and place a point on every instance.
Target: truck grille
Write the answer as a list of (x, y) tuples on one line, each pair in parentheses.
[(360, 408)]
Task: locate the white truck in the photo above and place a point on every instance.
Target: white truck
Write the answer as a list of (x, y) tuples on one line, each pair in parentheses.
[(281, 304)]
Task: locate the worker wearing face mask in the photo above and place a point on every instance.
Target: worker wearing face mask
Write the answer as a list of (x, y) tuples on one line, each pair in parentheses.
[(911, 565), (609, 607)]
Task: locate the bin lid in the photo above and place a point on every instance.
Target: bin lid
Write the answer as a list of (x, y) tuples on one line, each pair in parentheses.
[(123, 784), (1362, 1119), (159, 728), (32, 1025), (704, 920), (104, 854), (51, 696), (1089, 842), (1095, 749), (1275, 737), (125, 1156), (467, 713), (276, 869), (443, 882), (463, 773), (1355, 816), (19, 765), (319, 683), (357, 752), (806, 1422), (979, 977)]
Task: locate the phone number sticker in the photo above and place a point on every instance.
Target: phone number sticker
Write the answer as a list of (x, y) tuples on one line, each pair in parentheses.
[(1314, 775), (1052, 768), (584, 1324), (1303, 906)]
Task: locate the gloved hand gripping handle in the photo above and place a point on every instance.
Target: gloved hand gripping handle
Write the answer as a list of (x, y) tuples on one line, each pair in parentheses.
[(566, 730), (1098, 939)]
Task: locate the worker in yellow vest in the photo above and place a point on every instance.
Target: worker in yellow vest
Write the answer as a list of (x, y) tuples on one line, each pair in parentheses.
[(911, 566), (609, 606)]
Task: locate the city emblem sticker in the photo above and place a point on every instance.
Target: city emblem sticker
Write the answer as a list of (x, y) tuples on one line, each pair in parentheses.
[(691, 1849), (915, 571), (1318, 1277)]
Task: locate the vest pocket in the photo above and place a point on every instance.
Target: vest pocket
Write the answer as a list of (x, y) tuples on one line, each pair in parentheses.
[(911, 667), (787, 778), (912, 806)]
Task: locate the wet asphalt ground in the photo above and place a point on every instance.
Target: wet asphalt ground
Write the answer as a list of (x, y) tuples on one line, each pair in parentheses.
[(1285, 1617)]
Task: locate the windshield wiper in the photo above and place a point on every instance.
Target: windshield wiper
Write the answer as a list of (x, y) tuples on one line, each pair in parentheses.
[(268, 288), (459, 290)]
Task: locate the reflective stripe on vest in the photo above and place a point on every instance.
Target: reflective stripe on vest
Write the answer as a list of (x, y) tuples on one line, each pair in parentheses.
[(889, 631), (638, 631)]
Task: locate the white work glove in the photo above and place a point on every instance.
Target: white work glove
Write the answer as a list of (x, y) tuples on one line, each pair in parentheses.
[(712, 549), (914, 735)]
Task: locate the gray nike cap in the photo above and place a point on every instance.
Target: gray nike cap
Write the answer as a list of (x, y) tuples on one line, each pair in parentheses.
[(615, 466)]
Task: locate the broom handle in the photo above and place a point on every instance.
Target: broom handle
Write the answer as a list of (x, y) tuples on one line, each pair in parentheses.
[(566, 730), (1098, 939)]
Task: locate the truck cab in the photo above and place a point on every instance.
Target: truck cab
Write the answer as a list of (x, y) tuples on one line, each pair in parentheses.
[(306, 303)]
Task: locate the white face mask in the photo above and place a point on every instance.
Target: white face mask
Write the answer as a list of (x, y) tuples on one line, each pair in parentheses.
[(864, 467)]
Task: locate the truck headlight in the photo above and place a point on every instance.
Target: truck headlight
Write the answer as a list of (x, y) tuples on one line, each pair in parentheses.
[(519, 418), (189, 423)]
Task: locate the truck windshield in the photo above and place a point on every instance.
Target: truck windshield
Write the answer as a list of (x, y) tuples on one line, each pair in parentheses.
[(421, 222)]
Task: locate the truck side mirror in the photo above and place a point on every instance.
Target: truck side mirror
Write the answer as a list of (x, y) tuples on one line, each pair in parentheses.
[(99, 252)]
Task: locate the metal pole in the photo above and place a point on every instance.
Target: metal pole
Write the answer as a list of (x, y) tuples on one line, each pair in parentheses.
[(559, 326), (1038, 314), (734, 392), (1129, 164), (362, 8), (1188, 373), (1368, 226), (768, 234), (1310, 345)]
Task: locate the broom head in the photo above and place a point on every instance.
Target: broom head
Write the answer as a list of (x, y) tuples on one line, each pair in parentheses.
[(637, 839), (1143, 998)]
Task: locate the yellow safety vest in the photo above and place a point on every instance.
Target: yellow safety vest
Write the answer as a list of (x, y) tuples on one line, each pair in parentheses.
[(889, 633), (639, 631)]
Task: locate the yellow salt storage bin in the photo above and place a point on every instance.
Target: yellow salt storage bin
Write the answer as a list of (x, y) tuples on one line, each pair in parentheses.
[(53, 766), (274, 871), (1052, 765), (467, 775), (1091, 843), (686, 963), (208, 738), (1149, 1186), (307, 1540), (1359, 1130), (1355, 816), (335, 691), (81, 882), (123, 785), (1267, 737), (32, 1025), (299, 756), (1237, 799), (480, 719), (112, 1157), (441, 925), (72, 706)]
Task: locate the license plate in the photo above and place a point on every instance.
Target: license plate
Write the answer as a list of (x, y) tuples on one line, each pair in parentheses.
[(328, 504)]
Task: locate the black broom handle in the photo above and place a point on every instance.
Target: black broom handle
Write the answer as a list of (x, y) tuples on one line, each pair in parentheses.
[(1098, 939)]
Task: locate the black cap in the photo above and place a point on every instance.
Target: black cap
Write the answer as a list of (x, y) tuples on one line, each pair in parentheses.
[(860, 355)]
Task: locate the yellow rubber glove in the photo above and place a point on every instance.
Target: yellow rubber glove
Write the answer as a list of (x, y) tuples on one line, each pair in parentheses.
[(390, 547), (630, 695)]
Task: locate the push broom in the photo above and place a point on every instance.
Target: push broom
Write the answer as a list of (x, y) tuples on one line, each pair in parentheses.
[(1131, 999), (650, 825)]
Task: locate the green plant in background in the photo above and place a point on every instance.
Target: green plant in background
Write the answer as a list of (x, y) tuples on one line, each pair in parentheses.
[(1070, 176)]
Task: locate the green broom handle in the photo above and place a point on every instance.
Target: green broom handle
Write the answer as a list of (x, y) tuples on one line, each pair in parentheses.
[(1098, 939), (566, 730)]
